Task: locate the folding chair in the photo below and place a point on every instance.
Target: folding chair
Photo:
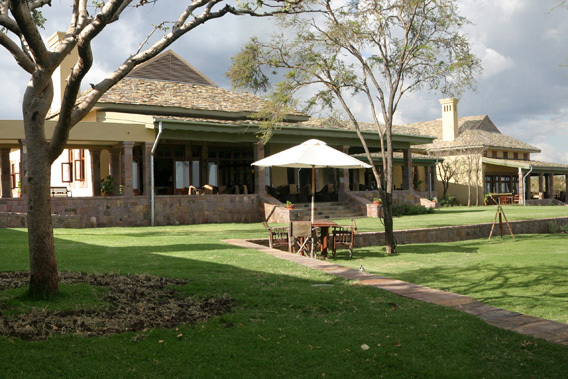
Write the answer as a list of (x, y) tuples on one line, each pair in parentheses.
[(343, 235), (302, 234), (277, 236)]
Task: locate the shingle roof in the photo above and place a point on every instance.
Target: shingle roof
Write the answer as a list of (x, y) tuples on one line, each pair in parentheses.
[(170, 67), (472, 131), (134, 91)]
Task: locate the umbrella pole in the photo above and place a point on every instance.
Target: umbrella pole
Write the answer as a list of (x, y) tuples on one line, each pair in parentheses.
[(313, 191)]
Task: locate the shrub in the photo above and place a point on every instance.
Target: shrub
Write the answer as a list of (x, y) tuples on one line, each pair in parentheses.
[(450, 201), (410, 210)]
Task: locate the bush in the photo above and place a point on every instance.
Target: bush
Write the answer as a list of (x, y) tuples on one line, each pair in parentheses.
[(450, 201), (410, 210)]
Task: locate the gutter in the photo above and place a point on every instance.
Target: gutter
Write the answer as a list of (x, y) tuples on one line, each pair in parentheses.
[(152, 184)]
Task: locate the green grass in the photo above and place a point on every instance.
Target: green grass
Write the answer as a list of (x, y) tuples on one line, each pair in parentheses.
[(461, 216), (527, 274), (282, 325)]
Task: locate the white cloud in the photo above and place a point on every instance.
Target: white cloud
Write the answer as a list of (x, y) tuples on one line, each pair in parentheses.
[(550, 154), (495, 63)]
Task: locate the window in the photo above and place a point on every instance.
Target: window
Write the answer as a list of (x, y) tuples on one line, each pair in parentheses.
[(78, 156), (526, 156), (494, 153), (15, 176), (515, 155), (182, 174), (505, 155)]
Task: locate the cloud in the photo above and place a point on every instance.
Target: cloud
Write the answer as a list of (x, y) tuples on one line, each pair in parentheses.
[(550, 154), (495, 63)]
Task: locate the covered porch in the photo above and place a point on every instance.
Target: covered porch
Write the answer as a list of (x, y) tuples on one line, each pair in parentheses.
[(531, 180)]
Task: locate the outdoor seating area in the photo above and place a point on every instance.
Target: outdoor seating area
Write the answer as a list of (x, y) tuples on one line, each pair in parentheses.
[(313, 239), (209, 189)]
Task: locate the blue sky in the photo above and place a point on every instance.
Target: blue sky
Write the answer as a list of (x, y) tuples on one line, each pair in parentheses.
[(523, 45)]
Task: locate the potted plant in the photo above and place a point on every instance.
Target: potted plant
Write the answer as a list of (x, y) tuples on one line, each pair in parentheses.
[(19, 188), (290, 205), (377, 201), (107, 186)]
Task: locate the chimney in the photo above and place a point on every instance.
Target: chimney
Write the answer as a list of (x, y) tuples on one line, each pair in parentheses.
[(449, 118), (62, 72)]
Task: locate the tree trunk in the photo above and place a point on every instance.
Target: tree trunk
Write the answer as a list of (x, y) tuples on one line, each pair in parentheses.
[(390, 242), (44, 281)]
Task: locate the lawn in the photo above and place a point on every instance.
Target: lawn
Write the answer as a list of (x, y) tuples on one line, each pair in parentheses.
[(527, 274), (462, 216), (281, 325)]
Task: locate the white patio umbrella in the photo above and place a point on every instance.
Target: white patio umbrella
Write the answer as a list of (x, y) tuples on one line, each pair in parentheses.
[(311, 154)]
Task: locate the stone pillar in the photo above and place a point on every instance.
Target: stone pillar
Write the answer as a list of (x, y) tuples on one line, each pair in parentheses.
[(23, 167), (522, 188), (259, 172), (566, 189), (406, 170), (550, 189), (96, 170), (146, 173), (343, 185), (541, 186), (428, 180), (126, 175), (5, 172), (434, 182), (114, 165)]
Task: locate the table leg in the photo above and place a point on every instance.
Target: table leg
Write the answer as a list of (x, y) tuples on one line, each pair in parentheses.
[(324, 241)]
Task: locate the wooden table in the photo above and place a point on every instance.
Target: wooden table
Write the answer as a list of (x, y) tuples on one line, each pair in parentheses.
[(324, 226)]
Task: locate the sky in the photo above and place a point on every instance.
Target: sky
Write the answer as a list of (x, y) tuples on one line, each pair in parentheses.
[(523, 46)]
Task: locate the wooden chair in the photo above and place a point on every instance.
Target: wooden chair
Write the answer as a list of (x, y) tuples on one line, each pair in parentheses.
[(302, 235), (208, 189), (343, 235), (195, 191), (516, 199), (277, 236), (505, 200)]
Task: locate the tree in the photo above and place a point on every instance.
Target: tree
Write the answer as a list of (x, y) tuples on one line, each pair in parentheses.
[(21, 20), (448, 171), (382, 49)]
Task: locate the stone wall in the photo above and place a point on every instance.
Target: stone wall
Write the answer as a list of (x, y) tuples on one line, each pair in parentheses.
[(105, 211), (459, 233)]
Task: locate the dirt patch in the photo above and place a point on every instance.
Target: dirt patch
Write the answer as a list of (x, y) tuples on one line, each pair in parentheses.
[(136, 303)]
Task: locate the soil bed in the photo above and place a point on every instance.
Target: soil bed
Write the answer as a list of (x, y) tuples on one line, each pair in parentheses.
[(136, 303)]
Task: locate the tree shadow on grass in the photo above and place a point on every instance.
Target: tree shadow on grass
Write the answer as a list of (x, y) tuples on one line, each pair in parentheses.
[(379, 251), (537, 290)]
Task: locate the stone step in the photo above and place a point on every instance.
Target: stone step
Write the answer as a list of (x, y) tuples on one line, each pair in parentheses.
[(328, 210)]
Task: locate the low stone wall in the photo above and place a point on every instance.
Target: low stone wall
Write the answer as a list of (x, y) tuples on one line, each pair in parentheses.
[(104, 211), (459, 233)]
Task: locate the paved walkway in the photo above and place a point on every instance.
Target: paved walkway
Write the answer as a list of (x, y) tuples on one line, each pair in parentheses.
[(549, 330)]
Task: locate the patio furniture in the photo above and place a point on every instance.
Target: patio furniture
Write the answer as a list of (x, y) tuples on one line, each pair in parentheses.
[(344, 235), (323, 226), (277, 236), (208, 189), (302, 235), (506, 200), (193, 190)]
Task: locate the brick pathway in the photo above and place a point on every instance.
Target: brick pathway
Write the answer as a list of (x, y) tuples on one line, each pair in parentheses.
[(549, 330)]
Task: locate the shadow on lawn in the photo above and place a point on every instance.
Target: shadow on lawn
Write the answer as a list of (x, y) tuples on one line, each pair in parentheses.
[(379, 252), (529, 290), (211, 268)]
